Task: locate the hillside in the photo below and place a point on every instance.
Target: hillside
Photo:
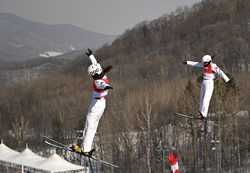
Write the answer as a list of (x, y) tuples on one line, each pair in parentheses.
[(158, 47), (22, 39)]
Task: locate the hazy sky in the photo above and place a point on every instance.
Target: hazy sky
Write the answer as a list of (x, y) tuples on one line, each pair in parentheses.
[(105, 16)]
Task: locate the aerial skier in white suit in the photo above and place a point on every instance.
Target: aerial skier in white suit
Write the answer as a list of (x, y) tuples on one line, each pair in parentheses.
[(209, 72), (97, 106)]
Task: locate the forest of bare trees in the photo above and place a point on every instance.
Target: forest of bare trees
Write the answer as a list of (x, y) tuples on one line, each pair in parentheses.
[(150, 84)]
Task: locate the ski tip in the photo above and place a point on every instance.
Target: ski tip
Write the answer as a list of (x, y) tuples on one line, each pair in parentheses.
[(115, 166), (44, 137), (187, 116)]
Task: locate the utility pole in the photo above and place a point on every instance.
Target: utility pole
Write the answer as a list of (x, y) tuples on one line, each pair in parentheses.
[(164, 158), (205, 147), (216, 149)]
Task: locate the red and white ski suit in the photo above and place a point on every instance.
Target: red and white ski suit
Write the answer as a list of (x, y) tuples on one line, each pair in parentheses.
[(96, 110), (207, 86)]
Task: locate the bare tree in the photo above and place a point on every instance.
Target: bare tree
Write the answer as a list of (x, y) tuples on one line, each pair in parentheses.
[(20, 129)]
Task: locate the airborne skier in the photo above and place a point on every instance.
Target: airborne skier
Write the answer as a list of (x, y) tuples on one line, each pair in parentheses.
[(209, 71), (97, 106)]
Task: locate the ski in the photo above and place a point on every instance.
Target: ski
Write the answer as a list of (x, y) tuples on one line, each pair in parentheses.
[(194, 118), (54, 141), (187, 116), (58, 145)]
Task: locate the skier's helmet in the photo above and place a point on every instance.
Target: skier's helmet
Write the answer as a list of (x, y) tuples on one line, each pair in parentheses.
[(206, 59), (94, 69)]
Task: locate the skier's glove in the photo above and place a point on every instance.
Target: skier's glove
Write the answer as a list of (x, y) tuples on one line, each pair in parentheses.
[(231, 83), (107, 69), (89, 52), (108, 87), (184, 62)]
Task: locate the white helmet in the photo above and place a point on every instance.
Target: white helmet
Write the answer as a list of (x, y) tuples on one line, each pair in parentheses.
[(206, 58), (94, 69)]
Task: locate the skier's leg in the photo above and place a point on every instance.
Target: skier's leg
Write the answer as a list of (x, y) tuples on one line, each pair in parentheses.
[(208, 92), (92, 121), (88, 120), (202, 93), (85, 128)]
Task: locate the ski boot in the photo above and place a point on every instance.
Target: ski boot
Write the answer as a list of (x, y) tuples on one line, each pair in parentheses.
[(201, 116), (89, 153), (201, 123), (76, 148)]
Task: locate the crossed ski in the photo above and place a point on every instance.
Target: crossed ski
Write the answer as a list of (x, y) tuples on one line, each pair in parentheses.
[(191, 117), (59, 145)]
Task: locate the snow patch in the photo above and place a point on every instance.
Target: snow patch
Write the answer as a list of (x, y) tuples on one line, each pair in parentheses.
[(50, 54)]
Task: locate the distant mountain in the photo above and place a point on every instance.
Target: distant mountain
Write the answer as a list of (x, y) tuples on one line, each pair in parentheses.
[(22, 39), (12, 73)]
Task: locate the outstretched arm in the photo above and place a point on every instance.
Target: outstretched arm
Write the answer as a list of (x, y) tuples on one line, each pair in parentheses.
[(220, 73), (193, 64), (92, 58)]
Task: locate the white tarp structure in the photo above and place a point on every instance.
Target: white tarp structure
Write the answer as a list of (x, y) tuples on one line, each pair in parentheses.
[(27, 158), (29, 161), (6, 153), (56, 164)]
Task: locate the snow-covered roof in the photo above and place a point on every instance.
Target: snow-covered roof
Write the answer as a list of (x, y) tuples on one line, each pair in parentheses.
[(6, 153), (29, 159), (57, 164)]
